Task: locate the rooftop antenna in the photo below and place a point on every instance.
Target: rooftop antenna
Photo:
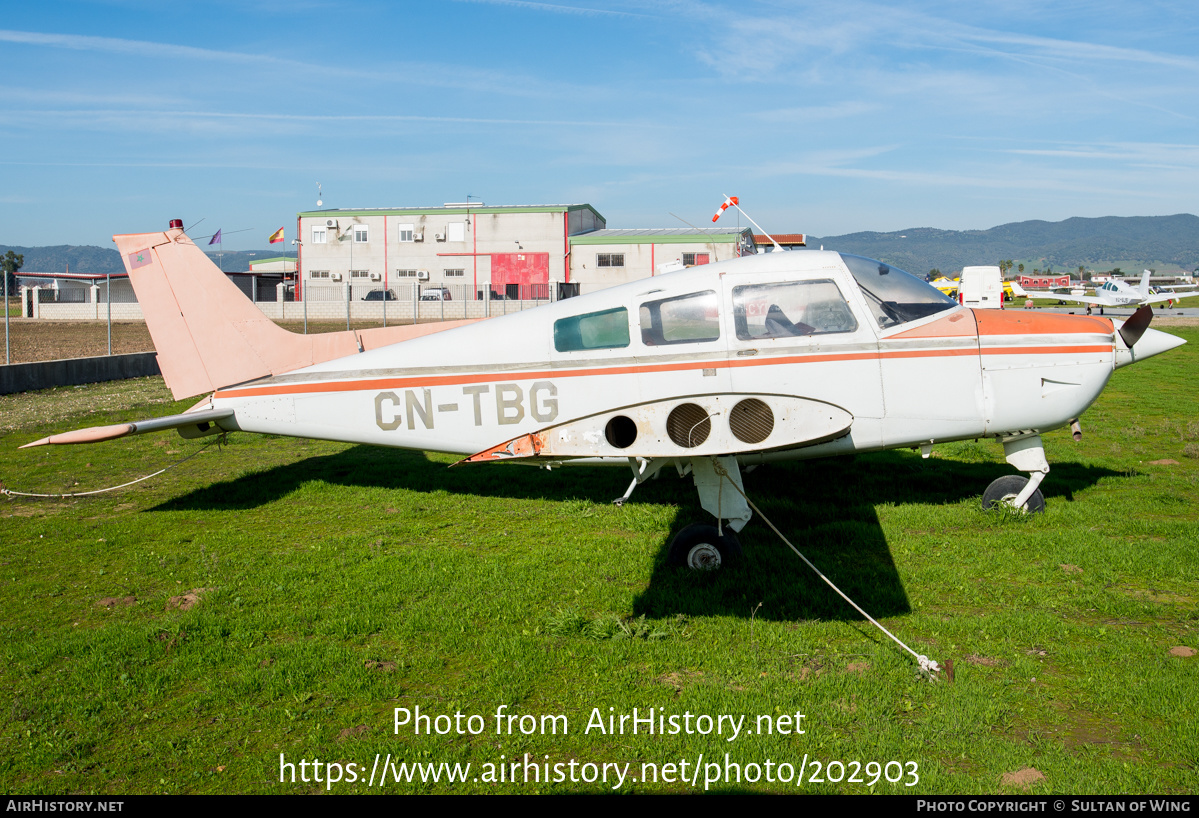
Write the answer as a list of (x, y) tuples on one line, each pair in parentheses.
[(731, 201), (320, 201)]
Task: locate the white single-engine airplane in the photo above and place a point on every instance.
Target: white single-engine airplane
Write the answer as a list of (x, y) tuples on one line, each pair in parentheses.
[(786, 355), (1123, 294)]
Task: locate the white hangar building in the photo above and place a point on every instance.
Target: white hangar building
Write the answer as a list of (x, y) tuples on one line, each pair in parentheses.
[(525, 252)]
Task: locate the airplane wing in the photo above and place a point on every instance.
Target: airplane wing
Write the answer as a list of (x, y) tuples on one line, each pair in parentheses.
[(189, 424), (1163, 297), (1086, 299)]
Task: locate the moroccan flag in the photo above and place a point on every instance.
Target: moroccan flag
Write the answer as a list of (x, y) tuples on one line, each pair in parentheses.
[(140, 259), (277, 236), (215, 238)]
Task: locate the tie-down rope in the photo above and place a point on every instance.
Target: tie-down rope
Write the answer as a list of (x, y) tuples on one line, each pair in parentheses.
[(10, 493), (927, 666)]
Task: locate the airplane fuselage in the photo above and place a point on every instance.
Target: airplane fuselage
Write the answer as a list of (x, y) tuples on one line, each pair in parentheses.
[(699, 336)]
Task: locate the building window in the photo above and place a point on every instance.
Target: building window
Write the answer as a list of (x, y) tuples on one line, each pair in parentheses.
[(407, 231), (360, 273), (693, 259), (318, 273), (361, 234), (609, 260), (455, 273), (318, 235), (405, 273), (456, 231)]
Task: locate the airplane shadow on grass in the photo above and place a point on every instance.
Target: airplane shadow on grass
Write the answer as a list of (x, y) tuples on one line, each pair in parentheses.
[(825, 507)]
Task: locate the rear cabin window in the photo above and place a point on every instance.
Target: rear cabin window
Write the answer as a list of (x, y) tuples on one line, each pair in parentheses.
[(608, 329), (790, 309), (684, 319)]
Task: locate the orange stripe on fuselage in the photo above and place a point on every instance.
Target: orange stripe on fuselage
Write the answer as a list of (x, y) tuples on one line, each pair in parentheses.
[(485, 377)]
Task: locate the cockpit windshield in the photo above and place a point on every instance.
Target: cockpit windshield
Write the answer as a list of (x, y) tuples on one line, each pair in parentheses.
[(895, 297)]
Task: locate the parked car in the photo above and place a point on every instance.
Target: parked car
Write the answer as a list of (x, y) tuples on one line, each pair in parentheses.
[(380, 295), (436, 294)]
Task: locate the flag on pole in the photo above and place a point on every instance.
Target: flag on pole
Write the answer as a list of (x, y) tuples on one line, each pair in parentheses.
[(215, 238), (728, 202), (277, 236)]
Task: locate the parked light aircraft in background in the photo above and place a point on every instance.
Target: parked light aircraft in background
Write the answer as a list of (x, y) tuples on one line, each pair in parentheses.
[(786, 355), (1123, 294)]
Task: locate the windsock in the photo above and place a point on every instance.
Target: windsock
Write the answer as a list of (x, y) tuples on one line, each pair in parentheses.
[(728, 202)]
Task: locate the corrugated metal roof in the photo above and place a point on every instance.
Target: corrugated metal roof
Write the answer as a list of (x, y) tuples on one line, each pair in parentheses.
[(697, 232)]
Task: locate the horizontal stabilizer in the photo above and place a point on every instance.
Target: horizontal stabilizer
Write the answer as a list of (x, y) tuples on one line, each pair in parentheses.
[(189, 424)]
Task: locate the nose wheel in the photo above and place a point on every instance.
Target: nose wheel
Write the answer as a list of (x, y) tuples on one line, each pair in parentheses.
[(1025, 452), (1007, 490)]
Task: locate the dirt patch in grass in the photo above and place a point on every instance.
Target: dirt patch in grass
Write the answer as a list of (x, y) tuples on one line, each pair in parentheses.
[(116, 602), (49, 340), (985, 661), (185, 602), (350, 732), (1022, 778), (1182, 651), (679, 679)]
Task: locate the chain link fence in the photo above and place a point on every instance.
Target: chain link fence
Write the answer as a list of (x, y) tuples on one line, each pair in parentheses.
[(82, 320)]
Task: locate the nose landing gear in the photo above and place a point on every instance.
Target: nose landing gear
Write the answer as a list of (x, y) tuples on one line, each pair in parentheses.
[(1025, 452)]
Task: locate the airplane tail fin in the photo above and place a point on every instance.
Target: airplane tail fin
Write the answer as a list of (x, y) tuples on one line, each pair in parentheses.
[(209, 335), (1144, 288)]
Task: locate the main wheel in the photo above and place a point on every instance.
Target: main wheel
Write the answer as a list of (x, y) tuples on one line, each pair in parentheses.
[(701, 548), (1004, 491)]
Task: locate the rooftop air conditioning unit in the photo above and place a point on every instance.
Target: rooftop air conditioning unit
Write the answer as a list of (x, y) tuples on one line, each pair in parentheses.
[(423, 275), (335, 276), (418, 236), (331, 223), (439, 236), (376, 276)]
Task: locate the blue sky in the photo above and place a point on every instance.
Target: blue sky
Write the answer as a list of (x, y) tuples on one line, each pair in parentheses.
[(824, 118)]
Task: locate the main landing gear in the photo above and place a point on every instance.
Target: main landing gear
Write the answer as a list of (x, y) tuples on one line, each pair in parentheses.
[(1025, 452), (703, 547)]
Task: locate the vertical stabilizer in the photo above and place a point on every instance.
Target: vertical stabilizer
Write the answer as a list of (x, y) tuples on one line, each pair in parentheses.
[(1144, 288), (209, 335)]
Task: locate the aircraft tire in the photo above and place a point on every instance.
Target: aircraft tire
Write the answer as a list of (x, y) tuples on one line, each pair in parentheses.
[(701, 548), (1005, 489)]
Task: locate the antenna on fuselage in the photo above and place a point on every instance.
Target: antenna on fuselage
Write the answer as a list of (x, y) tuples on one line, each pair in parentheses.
[(731, 201)]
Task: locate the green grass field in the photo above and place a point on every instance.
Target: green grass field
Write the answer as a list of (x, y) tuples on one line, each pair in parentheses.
[(337, 583)]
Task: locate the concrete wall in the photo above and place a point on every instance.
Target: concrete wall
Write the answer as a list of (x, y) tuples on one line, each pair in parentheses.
[(74, 371), (326, 302)]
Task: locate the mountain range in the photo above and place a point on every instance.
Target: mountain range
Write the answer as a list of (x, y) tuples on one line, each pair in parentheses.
[(91, 260), (1160, 243)]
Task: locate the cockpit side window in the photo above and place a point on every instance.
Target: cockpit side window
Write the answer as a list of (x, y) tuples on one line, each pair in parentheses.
[(608, 329), (895, 297), (790, 309), (684, 319)]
